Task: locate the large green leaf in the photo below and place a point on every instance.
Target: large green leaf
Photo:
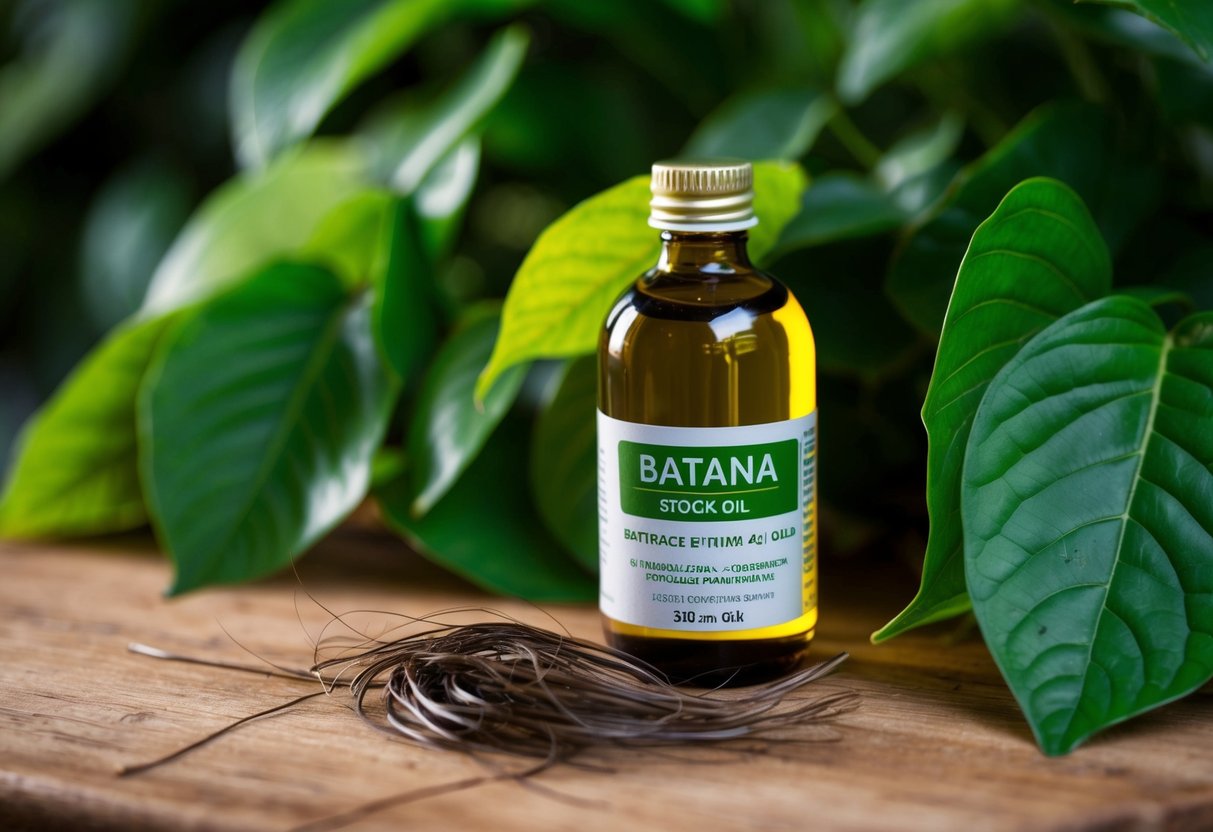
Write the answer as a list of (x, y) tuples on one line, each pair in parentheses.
[(1088, 516), (764, 124), (69, 53), (1075, 143), (449, 428), (486, 530), (255, 218), (258, 420), (75, 469), (580, 264), (564, 462), (409, 140), (1036, 258), (1192, 20), (891, 36)]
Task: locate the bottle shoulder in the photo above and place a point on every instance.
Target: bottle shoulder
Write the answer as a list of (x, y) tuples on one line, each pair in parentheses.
[(699, 296)]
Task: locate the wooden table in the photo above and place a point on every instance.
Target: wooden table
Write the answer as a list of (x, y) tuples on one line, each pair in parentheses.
[(935, 744)]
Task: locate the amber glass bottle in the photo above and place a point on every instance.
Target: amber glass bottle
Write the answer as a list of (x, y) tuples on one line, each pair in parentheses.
[(707, 446)]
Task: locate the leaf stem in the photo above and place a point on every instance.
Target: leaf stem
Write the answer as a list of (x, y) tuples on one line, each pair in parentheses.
[(857, 144)]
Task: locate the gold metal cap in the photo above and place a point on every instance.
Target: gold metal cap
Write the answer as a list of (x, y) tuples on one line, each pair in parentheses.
[(702, 195)]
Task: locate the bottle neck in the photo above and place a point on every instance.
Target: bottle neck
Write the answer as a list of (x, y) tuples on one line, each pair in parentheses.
[(721, 252)]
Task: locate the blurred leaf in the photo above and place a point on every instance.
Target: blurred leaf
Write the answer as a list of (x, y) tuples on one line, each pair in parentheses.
[(891, 36), (839, 206), (70, 52), (255, 218), (129, 227), (1119, 27), (1075, 143), (485, 529), (766, 124), (1037, 257), (74, 470), (448, 429), (1158, 297), (1192, 20), (920, 152), (581, 263), (1088, 517), (802, 39), (838, 286), (404, 314), (564, 462), (919, 193), (702, 11), (18, 401), (1184, 91), (1193, 275), (442, 197), (409, 141), (303, 56), (350, 239), (258, 421)]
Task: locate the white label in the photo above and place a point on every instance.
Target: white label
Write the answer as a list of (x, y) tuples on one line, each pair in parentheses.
[(705, 529)]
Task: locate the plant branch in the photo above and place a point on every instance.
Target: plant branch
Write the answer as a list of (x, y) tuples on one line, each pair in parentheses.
[(857, 144)]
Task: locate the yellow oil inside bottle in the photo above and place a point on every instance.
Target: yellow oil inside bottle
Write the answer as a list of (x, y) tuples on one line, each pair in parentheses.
[(706, 340)]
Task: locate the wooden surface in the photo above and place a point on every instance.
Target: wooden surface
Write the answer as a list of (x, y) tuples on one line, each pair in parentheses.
[(935, 744)]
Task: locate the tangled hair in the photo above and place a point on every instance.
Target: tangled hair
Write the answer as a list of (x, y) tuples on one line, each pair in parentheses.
[(507, 687), (501, 688)]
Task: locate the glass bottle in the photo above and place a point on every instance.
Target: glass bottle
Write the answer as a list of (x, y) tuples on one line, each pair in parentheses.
[(707, 446)]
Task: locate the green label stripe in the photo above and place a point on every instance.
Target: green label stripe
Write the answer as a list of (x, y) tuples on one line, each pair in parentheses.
[(736, 482)]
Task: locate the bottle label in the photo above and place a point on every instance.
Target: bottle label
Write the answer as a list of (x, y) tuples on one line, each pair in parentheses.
[(705, 528)]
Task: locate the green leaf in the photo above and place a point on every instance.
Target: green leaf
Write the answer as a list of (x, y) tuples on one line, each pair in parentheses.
[(448, 429), (840, 206), (581, 263), (1036, 258), (69, 53), (1159, 297), (920, 152), (351, 239), (1075, 143), (706, 12), (1088, 516), (883, 346), (255, 218), (129, 227), (1184, 91), (564, 462), (304, 56), (441, 199), (486, 530), (1192, 20), (258, 421), (410, 140), (766, 124), (891, 36), (75, 471), (1119, 27), (404, 314)]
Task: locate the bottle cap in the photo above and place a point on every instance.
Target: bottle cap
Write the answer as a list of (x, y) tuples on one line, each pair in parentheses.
[(702, 195)]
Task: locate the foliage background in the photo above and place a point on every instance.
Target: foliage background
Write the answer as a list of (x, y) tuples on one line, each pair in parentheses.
[(389, 164)]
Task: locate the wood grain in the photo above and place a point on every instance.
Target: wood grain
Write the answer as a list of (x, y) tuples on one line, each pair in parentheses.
[(936, 743)]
